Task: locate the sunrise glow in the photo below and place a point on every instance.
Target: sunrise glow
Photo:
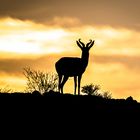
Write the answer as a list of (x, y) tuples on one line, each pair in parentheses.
[(44, 40), (39, 38)]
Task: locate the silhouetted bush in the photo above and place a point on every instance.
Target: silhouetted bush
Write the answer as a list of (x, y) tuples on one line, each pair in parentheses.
[(91, 89), (130, 99), (94, 90), (106, 95), (40, 81), (6, 90)]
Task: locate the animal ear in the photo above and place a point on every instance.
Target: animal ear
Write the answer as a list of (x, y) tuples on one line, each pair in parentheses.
[(80, 44), (90, 44)]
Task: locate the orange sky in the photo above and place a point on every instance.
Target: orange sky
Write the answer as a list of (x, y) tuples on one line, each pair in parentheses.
[(114, 59)]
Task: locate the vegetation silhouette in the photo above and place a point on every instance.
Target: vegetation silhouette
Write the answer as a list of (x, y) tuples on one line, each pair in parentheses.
[(73, 67), (94, 90), (40, 81)]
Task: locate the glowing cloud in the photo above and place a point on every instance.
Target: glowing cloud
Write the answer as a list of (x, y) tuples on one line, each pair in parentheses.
[(27, 37), (33, 41)]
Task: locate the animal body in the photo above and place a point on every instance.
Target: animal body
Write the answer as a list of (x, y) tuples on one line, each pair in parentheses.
[(73, 67)]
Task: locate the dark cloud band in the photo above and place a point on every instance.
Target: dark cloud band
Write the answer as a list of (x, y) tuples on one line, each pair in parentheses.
[(13, 66), (116, 13)]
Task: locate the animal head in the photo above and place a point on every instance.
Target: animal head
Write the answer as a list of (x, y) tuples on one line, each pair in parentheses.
[(83, 47)]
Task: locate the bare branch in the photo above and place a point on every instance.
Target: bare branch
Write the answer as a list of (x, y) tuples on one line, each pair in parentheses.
[(40, 81)]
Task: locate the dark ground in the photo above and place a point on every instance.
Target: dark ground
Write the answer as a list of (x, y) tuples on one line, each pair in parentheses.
[(68, 113), (56, 101)]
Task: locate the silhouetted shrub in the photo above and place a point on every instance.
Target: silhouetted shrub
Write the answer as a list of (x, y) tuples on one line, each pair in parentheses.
[(91, 89), (130, 99), (6, 90), (40, 81), (106, 95), (94, 90)]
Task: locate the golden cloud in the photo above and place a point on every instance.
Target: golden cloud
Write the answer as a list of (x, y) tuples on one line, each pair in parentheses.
[(114, 59)]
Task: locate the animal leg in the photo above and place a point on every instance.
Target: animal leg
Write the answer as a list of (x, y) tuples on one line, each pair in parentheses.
[(63, 83), (75, 84), (79, 83), (59, 84)]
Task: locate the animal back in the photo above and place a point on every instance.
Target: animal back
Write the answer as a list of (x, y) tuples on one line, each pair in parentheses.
[(69, 66)]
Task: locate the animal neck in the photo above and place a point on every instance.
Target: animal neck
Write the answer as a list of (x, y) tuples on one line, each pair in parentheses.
[(85, 58)]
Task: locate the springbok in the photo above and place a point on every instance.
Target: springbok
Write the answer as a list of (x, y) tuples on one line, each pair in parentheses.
[(73, 67)]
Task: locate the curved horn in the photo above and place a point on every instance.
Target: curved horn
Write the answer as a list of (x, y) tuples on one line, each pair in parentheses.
[(79, 44), (89, 43), (83, 45)]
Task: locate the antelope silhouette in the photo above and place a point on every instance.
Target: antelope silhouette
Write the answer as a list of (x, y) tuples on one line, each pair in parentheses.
[(73, 67)]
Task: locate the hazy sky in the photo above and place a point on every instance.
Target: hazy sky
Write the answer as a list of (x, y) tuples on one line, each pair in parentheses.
[(36, 33), (110, 12)]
